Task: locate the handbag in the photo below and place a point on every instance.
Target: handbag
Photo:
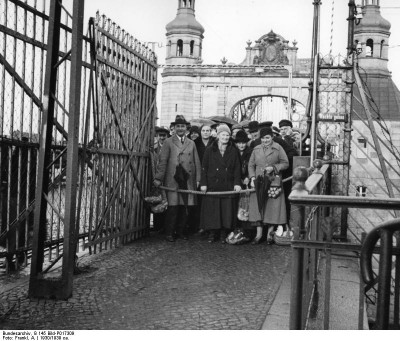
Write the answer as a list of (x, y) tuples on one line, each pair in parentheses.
[(243, 210), (275, 188)]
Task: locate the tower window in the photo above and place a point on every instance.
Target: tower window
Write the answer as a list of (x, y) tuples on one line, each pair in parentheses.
[(369, 52), (381, 52), (191, 48), (179, 48)]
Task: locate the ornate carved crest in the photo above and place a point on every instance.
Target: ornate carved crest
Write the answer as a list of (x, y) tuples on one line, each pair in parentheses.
[(271, 50)]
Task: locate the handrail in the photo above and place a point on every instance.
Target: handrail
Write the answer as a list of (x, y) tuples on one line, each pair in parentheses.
[(314, 179), (344, 201)]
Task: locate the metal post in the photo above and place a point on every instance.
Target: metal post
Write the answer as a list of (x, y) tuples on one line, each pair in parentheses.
[(348, 124), (290, 69), (314, 112), (385, 268), (43, 173), (314, 75), (296, 296), (70, 219)]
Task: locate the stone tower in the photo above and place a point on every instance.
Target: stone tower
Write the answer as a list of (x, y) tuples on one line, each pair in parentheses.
[(373, 33), (184, 36)]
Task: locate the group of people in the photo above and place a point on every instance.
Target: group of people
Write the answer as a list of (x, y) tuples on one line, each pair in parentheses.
[(219, 161)]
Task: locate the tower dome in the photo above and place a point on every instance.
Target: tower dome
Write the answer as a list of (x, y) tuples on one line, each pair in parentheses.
[(184, 36), (373, 33)]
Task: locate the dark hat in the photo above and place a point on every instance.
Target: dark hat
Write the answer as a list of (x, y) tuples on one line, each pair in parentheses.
[(266, 131), (276, 130), (285, 123), (161, 130), (241, 136), (266, 124), (253, 126), (180, 119), (195, 129)]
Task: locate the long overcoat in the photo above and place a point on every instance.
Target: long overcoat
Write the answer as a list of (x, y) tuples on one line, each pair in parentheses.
[(219, 174), (275, 209), (172, 153)]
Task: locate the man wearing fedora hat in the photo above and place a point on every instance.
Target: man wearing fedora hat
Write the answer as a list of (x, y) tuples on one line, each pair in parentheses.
[(178, 167), (287, 133)]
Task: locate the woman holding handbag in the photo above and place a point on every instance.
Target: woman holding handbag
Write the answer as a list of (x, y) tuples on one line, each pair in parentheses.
[(267, 158)]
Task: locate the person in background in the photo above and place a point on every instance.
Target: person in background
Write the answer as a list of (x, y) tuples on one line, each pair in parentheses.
[(268, 156), (194, 133), (161, 135), (201, 143), (172, 129), (245, 153), (235, 129), (291, 138), (220, 173), (178, 150), (254, 131), (214, 130)]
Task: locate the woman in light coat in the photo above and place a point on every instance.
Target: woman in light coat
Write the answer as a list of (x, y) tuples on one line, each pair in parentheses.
[(271, 157)]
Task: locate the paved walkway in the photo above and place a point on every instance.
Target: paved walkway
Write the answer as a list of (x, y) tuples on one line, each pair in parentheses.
[(154, 284)]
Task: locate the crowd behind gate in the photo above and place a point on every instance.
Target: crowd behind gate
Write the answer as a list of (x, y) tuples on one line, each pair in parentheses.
[(225, 159)]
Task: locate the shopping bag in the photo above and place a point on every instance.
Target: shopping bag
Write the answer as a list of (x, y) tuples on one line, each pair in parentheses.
[(243, 209), (155, 196), (275, 188)]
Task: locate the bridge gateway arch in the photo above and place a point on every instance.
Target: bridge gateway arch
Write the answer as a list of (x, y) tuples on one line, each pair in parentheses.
[(270, 70)]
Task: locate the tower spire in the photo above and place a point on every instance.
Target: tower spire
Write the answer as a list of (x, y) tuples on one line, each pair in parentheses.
[(184, 36)]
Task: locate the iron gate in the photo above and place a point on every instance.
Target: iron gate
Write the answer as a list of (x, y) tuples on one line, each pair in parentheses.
[(118, 94)]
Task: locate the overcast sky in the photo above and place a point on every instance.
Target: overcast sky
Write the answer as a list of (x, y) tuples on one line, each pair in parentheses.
[(229, 24)]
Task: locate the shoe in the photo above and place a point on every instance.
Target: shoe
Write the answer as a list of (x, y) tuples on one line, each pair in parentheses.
[(170, 238), (256, 241), (211, 237), (223, 237)]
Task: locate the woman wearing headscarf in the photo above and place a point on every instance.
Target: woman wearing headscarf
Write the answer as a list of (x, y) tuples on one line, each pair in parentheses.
[(220, 173), (271, 158)]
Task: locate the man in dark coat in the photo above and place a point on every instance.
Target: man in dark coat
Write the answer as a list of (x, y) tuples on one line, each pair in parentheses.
[(178, 153), (287, 133)]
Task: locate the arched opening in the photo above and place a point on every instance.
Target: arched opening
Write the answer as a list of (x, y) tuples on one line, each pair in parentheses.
[(179, 48), (269, 108), (381, 51), (191, 48), (369, 50)]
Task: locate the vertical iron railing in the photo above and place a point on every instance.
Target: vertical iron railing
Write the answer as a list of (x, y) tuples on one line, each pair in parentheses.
[(305, 222), (387, 278)]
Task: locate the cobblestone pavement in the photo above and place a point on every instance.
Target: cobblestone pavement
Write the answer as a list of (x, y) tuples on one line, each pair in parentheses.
[(154, 284)]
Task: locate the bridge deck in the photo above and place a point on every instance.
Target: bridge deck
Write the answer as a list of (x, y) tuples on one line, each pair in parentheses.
[(153, 284)]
